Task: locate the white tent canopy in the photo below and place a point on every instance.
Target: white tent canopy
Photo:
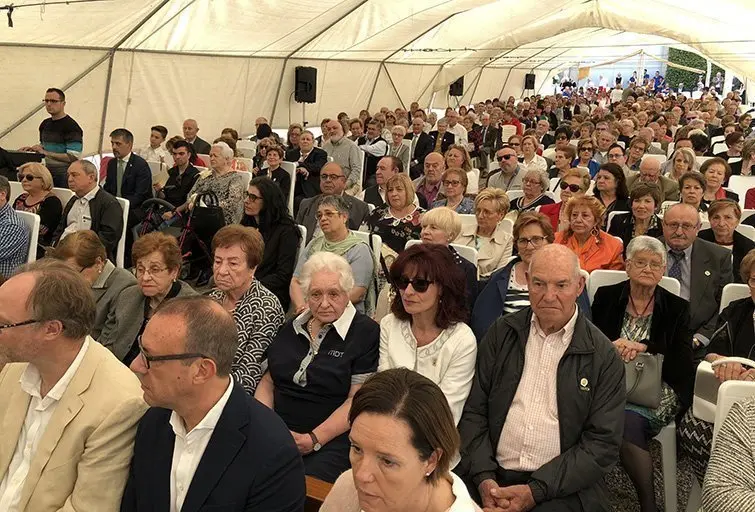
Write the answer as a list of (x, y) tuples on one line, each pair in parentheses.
[(135, 63)]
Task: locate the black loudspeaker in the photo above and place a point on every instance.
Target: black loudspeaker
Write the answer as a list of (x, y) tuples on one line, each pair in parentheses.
[(529, 81), (457, 88), (305, 90)]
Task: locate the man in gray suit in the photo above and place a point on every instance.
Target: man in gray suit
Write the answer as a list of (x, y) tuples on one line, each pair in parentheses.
[(332, 183), (702, 268), (650, 172)]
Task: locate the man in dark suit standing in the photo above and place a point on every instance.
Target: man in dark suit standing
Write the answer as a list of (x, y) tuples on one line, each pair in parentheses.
[(702, 268), (491, 138), (309, 161), (420, 147), (205, 444), (190, 130)]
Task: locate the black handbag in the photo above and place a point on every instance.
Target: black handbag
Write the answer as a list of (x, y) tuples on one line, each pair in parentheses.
[(207, 215)]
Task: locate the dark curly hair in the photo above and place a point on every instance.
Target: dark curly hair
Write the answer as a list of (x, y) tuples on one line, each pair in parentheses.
[(435, 263), (274, 210)]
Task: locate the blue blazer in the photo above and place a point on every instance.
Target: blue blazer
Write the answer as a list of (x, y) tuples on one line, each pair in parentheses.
[(251, 463), (137, 180), (489, 304)]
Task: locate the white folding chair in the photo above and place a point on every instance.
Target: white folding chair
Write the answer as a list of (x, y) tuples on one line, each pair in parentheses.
[(670, 149), (473, 177), (704, 224), (717, 139), (746, 213), (507, 131), (63, 194), (554, 184), (600, 278), (720, 147), (549, 153), (740, 185), (610, 218), (16, 189), (507, 225), (247, 177), (622, 144), (747, 231), (729, 393), (120, 252), (732, 292), (33, 222), (468, 219), (702, 159), (247, 148), (656, 144), (514, 194), (245, 161), (376, 247), (302, 242), (466, 252), (156, 167)]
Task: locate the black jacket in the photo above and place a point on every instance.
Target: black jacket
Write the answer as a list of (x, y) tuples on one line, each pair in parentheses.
[(309, 187), (622, 225), (107, 221), (670, 334), (591, 414), (250, 463), (137, 180), (201, 147), (742, 245), (423, 148), (448, 140), (178, 186), (735, 333)]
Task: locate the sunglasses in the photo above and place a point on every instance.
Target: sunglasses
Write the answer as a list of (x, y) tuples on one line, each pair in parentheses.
[(505, 157), (419, 285), (563, 186), (26, 177), (586, 149)]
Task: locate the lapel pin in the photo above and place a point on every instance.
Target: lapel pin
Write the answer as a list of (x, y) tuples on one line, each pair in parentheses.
[(584, 384), (707, 273)]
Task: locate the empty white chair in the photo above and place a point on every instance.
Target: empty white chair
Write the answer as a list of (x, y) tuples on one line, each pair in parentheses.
[(120, 252), (33, 222), (732, 292), (16, 189)]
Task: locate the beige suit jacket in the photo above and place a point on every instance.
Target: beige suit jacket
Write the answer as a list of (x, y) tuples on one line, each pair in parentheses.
[(82, 460), (492, 256)]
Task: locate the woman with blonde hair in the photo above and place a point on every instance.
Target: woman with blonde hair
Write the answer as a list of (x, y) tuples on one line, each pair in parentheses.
[(595, 248), (532, 161), (457, 156), (38, 198), (683, 160)]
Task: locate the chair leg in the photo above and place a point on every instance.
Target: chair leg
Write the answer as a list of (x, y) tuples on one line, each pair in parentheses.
[(667, 438), (695, 501)]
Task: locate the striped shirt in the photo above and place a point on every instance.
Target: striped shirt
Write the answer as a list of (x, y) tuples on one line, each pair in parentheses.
[(14, 240), (62, 135), (517, 296)]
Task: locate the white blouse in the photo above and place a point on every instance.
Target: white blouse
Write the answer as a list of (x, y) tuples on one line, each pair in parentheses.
[(449, 360)]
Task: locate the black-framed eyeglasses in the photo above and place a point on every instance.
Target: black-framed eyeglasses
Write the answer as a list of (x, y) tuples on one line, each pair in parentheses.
[(419, 285), (252, 197), (536, 241), (18, 324), (571, 186), (148, 359)]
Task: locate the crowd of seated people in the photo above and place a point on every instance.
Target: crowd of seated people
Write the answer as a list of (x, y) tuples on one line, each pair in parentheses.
[(487, 374)]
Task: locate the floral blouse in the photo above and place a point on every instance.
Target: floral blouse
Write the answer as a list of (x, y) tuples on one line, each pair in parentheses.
[(395, 232)]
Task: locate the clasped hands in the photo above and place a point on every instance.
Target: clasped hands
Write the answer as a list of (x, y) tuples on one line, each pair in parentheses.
[(628, 350), (513, 498), (303, 442)]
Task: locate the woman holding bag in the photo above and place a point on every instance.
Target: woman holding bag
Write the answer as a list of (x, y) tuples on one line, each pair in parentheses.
[(644, 318)]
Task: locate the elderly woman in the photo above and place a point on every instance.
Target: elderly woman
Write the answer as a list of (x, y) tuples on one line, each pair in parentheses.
[(316, 364), (237, 251), (458, 157), (455, 183), (425, 330), (336, 238), (595, 248), (734, 337), (507, 292), (644, 201), (691, 189), (275, 172), (292, 136), (261, 154), (562, 159), (682, 161), (397, 147), (398, 221), (236, 165), (38, 198), (534, 185), (265, 209), (746, 166), (574, 183), (724, 216), (585, 152), (400, 421), (636, 151), (442, 226), (494, 245), (84, 252), (611, 188), (642, 317), (716, 171), (531, 160), (226, 184), (735, 141), (157, 259)]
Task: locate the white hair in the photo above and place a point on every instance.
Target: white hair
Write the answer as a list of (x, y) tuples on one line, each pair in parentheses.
[(644, 243), (330, 262), (225, 149)]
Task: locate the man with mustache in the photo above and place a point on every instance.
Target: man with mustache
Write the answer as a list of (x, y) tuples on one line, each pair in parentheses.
[(702, 268)]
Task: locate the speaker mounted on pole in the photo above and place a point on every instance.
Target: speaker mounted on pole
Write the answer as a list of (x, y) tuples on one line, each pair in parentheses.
[(305, 89), (457, 88)]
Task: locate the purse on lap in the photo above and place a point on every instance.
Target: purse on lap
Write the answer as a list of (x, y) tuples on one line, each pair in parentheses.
[(644, 380)]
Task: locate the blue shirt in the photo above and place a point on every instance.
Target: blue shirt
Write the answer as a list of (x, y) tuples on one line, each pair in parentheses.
[(14, 241)]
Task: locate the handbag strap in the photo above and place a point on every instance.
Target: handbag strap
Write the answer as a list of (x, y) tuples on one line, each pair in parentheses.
[(639, 367), (209, 198)]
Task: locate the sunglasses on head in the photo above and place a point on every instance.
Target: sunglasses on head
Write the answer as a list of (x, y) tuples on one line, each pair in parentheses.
[(563, 185), (504, 157), (26, 177), (419, 285)]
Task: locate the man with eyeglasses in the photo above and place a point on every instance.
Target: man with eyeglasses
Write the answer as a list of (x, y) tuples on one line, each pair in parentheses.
[(332, 183), (61, 139), (428, 186), (205, 444), (68, 407), (650, 172), (509, 176), (14, 234), (702, 268), (617, 155)]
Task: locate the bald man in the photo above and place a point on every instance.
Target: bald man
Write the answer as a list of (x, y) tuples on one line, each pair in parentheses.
[(346, 154), (650, 172), (190, 129), (558, 393)]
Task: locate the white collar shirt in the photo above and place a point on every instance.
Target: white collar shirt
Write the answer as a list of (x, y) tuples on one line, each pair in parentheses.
[(80, 216), (38, 415), (189, 447)]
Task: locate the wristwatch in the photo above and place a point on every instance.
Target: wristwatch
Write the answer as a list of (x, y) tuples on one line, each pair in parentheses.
[(315, 443)]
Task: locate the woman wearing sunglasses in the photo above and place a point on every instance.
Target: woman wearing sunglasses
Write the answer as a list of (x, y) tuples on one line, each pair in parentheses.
[(38, 198), (644, 201), (425, 331), (585, 152), (574, 183), (265, 209), (455, 183)]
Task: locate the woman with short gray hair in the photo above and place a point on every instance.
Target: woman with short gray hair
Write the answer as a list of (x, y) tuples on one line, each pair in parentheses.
[(316, 364), (534, 185), (642, 317)]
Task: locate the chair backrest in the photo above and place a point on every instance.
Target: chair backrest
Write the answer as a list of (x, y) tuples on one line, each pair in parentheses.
[(610, 218), (247, 177), (554, 184), (732, 292), (621, 143), (508, 226), (473, 177), (302, 242), (514, 194), (740, 185), (120, 252), (549, 153), (600, 278), (507, 130), (466, 252), (468, 219), (376, 248), (730, 392), (717, 139), (63, 194), (205, 158), (660, 158), (746, 213), (702, 159), (551, 195), (720, 147), (670, 149), (656, 144), (156, 167), (747, 231), (247, 148), (16, 189), (246, 161), (33, 222)]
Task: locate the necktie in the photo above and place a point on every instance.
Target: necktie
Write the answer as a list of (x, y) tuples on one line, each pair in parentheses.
[(675, 270), (484, 133), (414, 145), (119, 177)]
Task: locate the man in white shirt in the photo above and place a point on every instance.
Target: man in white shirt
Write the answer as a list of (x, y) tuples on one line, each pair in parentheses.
[(205, 444), (345, 153), (455, 127), (375, 147), (68, 407), (155, 152)]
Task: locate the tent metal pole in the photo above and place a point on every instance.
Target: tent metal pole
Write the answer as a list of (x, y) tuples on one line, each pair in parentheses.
[(430, 83), (374, 85), (519, 64), (305, 43), (477, 82), (67, 86), (403, 105), (105, 101)]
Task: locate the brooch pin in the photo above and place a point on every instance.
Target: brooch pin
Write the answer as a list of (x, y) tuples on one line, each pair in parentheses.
[(584, 384)]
